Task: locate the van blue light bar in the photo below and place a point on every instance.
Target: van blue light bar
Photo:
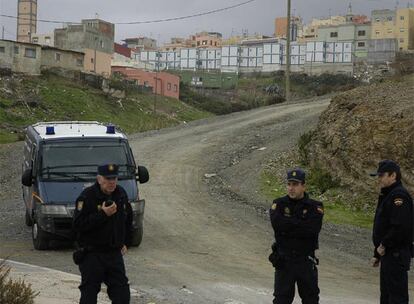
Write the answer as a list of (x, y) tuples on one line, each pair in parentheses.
[(110, 129), (50, 130)]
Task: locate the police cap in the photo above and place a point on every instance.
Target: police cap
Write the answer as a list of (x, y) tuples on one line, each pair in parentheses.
[(297, 175), (386, 165), (108, 170)]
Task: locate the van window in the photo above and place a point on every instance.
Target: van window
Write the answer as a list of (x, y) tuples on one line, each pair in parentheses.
[(69, 160)]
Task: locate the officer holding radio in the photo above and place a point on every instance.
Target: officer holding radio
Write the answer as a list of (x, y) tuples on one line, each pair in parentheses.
[(102, 223)]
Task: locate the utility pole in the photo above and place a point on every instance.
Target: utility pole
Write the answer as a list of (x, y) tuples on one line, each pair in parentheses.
[(287, 74), (157, 68)]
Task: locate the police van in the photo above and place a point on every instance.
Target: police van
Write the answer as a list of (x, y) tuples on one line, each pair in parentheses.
[(60, 160)]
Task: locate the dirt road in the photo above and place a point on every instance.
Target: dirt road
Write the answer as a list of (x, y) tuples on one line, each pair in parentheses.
[(204, 241)]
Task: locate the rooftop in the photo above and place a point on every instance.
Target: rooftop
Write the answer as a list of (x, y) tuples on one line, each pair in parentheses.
[(74, 129)]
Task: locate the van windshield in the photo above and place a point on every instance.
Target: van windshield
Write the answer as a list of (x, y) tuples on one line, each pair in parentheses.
[(79, 160)]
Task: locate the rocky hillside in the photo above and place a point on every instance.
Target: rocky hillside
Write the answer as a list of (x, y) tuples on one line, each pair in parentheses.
[(363, 126)]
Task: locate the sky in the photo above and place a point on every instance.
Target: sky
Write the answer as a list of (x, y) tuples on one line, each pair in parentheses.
[(255, 17)]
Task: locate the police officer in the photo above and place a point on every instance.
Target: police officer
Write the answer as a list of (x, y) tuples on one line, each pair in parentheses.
[(393, 234), (296, 220), (102, 223)]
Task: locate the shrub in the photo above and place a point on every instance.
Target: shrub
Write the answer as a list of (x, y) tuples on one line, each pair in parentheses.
[(303, 142), (14, 292), (320, 180)]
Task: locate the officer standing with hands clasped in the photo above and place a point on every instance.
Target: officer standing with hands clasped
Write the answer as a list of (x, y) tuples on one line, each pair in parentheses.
[(296, 220), (393, 234), (102, 223)]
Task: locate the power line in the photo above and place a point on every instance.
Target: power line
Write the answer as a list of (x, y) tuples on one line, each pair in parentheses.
[(143, 22)]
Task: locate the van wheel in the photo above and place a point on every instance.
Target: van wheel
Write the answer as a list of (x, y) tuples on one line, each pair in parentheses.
[(137, 235), (28, 219), (40, 240)]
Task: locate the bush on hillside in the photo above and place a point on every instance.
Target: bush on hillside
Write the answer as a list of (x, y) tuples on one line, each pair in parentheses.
[(14, 292)]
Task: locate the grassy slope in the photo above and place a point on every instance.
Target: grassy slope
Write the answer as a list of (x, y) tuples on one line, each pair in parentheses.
[(60, 99)]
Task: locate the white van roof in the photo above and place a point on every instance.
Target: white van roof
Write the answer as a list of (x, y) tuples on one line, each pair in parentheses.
[(73, 129)]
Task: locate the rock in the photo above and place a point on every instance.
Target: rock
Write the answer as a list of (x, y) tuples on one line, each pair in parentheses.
[(363, 126)]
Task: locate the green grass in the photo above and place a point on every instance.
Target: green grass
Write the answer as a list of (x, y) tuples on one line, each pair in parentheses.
[(337, 210), (61, 99)]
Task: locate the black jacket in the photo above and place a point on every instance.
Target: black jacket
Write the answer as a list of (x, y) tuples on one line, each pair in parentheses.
[(94, 228), (393, 223), (296, 224)]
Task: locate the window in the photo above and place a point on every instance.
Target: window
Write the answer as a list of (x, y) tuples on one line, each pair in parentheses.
[(30, 53), (361, 33), (91, 60), (390, 31), (334, 34), (205, 42), (47, 40), (401, 17), (377, 33), (16, 50), (175, 88), (2, 49), (389, 18), (169, 86), (35, 39), (198, 43), (57, 56), (79, 62), (145, 83), (377, 20), (102, 44), (361, 44), (312, 30), (402, 30), (401, 40)]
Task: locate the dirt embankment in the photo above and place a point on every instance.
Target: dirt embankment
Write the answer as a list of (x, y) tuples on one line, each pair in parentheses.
[(363, 126)]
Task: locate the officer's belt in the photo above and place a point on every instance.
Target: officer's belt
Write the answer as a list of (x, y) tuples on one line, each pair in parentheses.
[(101, 249)]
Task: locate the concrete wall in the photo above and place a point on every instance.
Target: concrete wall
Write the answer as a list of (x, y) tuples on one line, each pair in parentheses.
[(103, 62), (166, 85), (321, 68), (56, 58), (20, 57), (91, 34)]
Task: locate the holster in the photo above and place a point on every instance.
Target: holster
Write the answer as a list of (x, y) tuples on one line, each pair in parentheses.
[(79, 255), (277, 261)]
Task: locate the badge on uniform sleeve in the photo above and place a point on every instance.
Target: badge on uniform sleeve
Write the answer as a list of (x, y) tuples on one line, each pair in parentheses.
[(79, 205), (274, 206), (320, 210), (398, 202)]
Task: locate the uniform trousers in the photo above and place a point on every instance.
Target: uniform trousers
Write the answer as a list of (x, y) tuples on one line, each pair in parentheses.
[(301, 271), (104, 267), (394, 277)]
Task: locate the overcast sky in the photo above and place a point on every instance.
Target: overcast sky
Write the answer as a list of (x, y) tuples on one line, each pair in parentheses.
[(255, 17)]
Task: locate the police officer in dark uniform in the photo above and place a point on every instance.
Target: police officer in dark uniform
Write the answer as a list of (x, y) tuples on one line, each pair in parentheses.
[(296, 220), (102, 223), (393, 234)]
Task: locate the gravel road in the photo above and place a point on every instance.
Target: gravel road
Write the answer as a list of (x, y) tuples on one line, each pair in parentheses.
[(206, 239)]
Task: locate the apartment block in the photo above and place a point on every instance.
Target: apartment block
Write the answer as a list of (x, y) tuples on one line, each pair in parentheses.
[(95, 38)]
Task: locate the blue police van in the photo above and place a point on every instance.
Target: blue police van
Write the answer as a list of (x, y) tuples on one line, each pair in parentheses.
[(60, 160)]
